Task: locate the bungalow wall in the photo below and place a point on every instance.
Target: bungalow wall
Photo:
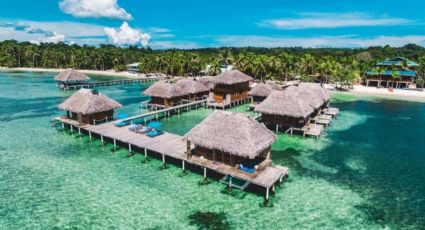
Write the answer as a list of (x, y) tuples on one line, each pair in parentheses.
[(283, 120), (236, 91), (228, 159), (89, 118)]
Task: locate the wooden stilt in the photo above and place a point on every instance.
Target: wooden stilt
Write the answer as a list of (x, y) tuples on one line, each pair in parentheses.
[(79, 131), (101, 138), (129, 147), (90, 135), (63, 125)]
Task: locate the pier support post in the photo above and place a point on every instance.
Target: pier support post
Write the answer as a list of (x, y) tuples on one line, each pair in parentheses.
[(129, 148), (229, 189), (101, 138), (115, 144), (90, 135), (183, 166), (146, 155), (277, 128), (205, 172), (266, 198), (72, 128), (79, 131), (63, 125)]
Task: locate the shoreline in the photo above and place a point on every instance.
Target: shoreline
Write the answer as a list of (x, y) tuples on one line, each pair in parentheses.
[(109, 73), (398, 94)]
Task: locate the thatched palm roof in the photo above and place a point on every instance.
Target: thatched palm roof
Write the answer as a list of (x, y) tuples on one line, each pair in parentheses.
[(208, 81), (319, 90), (163, 89), (232, 77), (264, 89), (71, 75), (233, 133), (86, 101), (190, 86), (313, 97), (285, 103)]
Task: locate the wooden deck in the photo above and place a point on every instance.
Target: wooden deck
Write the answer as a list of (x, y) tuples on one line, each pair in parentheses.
[(174, 146), (112, 82)]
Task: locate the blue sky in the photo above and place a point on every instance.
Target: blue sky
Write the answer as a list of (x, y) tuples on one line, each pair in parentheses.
[(201, 23)]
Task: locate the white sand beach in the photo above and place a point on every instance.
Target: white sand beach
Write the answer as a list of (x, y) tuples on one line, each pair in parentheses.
[(398, 93)]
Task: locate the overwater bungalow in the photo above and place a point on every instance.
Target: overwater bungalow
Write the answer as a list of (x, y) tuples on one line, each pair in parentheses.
[(230, 87), (89, 106), (233, 139), (193, 89), (71, 77), (262, 91), (396, 73), (165, 94), (285, 108)]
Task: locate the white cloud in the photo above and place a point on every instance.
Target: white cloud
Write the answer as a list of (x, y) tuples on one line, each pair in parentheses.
[(320, 20), (126, 35), (36, 32), (94, 9), (322, 41), (55, 38)]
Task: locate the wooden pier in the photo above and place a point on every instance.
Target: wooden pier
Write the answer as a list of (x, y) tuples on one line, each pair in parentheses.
[(112, 82), (171, 146), (167, 111)]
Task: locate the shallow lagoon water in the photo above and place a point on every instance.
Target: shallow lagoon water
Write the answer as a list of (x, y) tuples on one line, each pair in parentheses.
[(366, 172)]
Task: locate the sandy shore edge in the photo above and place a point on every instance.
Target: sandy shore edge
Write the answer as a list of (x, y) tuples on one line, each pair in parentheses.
[(398, 94)]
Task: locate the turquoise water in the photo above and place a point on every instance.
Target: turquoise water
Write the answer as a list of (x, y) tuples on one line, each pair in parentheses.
[(366, 172)]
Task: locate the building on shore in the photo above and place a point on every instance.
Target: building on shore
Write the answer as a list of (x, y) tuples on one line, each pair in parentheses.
[(133, 67), (395, 73), (233, 139), (166, 94), (231, 86), (71, 77), (262, 91), (89, 107)]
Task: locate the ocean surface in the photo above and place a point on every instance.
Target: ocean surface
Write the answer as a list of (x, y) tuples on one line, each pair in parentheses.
[(366, 172)]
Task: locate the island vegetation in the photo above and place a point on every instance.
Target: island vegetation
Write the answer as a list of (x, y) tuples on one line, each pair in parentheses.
[(339, 65)]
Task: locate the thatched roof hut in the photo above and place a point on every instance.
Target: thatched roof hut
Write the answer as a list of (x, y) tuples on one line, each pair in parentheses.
[(287, 103), (70, 75), (264, 89), (232, 77), (208, 81), (163, 89), (190, 86), (86, 101), (233, 133)]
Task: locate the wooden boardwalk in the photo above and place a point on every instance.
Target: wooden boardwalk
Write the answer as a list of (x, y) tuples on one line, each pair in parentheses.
[(112, 82), (174, 146), (168, 111)]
